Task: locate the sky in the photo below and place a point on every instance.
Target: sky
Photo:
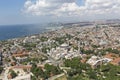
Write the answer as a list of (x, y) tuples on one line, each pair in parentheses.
[(42, 11)]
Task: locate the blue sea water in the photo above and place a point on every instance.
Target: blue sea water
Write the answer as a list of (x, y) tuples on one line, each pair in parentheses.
[(14, 31)]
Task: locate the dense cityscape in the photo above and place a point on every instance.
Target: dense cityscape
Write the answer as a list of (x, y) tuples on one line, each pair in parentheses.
[(59, 39), (90, 52)]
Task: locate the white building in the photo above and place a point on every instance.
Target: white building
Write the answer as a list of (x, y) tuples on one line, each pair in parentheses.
[(95, 61), (24, 77), (63, 51)]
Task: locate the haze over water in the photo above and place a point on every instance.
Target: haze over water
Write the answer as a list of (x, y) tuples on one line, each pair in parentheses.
[(14, 31)]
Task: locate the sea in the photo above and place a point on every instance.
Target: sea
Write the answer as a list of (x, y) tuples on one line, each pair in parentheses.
[(15, 31)]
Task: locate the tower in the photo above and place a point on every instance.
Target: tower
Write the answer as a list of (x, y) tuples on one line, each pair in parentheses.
[(79, 46)]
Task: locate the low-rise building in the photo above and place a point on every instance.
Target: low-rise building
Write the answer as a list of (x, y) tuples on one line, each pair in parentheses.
[(63, 51), (96, 61)]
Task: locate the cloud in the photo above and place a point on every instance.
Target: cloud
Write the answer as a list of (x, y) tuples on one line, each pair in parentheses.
[(70, 7), (51, 7)]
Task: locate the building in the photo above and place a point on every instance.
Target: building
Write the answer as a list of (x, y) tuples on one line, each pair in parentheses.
[(24, 77), (23, 72), (96, 61), (64, 51)]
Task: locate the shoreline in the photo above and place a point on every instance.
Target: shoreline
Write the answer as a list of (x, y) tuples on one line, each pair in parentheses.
[(46, 30)]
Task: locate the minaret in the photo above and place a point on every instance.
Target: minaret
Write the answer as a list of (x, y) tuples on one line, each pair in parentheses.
[(79, 48), (79, 51), (100, 55), (96, 29)]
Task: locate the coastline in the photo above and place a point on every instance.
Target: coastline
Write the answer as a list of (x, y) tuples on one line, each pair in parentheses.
[(42, 31)]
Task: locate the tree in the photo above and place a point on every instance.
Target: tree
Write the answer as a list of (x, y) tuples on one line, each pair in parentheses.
[(33, 78), (50, 69), (92, 75), (43, 38), (45, 48), (13, 73), (1, 69), (95, 46), (38, 72)]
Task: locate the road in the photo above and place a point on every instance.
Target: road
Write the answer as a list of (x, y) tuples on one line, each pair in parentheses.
[(56, 76), (54, 62)]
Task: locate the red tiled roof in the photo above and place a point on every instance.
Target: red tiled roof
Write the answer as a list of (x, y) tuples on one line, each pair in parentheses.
[(116, 61), (110, 55), (115, 57), (22, 67), (19, 55)]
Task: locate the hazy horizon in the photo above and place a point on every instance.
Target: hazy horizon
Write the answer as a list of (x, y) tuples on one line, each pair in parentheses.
[(45, 11)]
